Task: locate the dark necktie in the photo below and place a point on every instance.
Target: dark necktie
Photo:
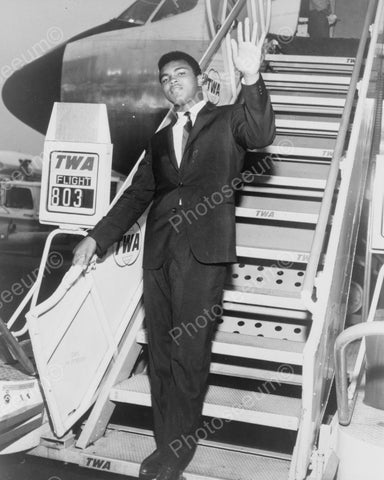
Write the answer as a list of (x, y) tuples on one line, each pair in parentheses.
[(186, 131)]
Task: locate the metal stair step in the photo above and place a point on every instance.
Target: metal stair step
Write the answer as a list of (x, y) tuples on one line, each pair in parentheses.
[(291, 173), (288, 244), (277, 300), (251, 346), (266, 311), (282, 255), (292, 192), (307, 104), (289, 143), (287, 149), (309, 63), (264, 325), (270, 214), (307, 82), (304, 127), (122, 452), (266, 279), (288, 377), (288, 181), (220, 402), (272, 208)]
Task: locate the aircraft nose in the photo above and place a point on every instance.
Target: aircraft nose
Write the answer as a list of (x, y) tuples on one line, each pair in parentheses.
[(29, 93)]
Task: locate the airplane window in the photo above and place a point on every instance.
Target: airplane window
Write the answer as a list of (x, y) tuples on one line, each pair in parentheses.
[(174, 7), (140, 11), (18, 197)]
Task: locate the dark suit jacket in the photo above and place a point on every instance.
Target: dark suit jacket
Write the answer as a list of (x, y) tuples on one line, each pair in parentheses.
[(205, 183)]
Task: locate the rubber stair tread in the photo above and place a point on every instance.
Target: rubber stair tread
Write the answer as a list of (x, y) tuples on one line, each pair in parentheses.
[(265, 409), (248, 346)]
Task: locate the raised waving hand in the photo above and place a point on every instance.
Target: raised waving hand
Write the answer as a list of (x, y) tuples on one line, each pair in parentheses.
[(247, 52)]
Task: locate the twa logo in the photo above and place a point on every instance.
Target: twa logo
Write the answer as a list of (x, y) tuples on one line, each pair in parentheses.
[(75, 162), (98, 463), (128, 248)]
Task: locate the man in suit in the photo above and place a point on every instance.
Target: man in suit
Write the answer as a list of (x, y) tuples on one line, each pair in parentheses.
[(194, 161)]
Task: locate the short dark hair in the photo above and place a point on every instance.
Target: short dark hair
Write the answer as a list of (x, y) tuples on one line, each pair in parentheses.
[(177, 55)]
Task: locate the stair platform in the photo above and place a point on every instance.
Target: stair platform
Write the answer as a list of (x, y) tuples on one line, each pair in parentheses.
[(122, 452)]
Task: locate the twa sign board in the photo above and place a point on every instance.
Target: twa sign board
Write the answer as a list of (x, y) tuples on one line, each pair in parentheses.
[(76, 174)]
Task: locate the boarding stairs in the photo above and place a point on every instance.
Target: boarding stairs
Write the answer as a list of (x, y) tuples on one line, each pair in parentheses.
[(284, 301)]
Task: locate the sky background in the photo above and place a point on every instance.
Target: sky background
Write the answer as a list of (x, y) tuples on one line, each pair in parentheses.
[(23, 24)]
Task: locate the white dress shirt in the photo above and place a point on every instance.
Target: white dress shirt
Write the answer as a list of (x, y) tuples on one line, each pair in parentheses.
[(177, 129)]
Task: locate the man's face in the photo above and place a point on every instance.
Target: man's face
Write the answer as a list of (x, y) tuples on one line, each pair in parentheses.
[(180, 85)]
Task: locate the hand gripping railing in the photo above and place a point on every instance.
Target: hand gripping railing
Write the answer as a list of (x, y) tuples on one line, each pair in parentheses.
[(321, 227), (346, 397)]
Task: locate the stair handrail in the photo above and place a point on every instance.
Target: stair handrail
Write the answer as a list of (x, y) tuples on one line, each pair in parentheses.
[(326, 206), (370, 328), (223, 30), (33, 292)]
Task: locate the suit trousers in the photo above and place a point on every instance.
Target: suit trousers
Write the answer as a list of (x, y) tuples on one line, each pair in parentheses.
[(182, 302)]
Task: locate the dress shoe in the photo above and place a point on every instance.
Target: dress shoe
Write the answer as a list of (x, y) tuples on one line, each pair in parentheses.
[(151, 465), (170, 472)]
